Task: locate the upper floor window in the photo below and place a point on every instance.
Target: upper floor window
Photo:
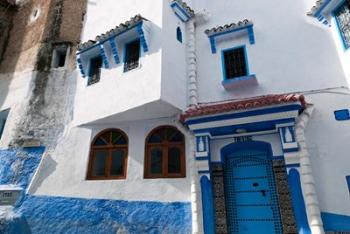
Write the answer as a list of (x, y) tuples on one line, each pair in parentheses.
[(3, 118), (179, 34), (132, 55), (95, 70), (165, 153), (342, 16), (108, 155), (235, 63)]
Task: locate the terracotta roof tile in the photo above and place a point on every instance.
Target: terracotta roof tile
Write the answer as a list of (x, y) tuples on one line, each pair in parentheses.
[(217, 108)]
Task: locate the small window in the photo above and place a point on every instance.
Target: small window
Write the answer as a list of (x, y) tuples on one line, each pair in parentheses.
[(342, 16), (235, 64), (348, 181), (3, 118), (179, 34), (108, 155), (132, 55), (165, 153), (95, 70), (59, 56)]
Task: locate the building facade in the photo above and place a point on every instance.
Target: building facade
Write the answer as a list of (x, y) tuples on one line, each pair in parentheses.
[(174, 116)]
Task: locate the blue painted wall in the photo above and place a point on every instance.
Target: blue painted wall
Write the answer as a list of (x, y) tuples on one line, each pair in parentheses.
[(75, 215), (17, 166), (335, 222), (47, 214)]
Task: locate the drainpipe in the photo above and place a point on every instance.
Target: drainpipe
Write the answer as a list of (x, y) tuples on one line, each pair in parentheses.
[(308, 183), (195, 192)]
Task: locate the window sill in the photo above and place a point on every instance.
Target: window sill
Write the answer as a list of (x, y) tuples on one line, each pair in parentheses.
[(230, 84)]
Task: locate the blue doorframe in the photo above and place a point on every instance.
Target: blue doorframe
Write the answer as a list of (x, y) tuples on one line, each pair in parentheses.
[(251, 197)]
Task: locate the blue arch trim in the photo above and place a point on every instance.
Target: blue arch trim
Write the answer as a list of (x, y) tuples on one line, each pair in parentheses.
[(207, 205), (298, 202), (227, 150)]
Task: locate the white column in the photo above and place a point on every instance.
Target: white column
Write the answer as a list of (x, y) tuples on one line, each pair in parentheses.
[(308, 183)]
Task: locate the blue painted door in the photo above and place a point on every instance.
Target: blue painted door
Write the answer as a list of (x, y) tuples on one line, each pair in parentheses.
[(251, 199)]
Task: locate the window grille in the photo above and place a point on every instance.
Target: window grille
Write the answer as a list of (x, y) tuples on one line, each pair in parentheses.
[(342, 15), (95, 70), (235, 63), (132, 55)]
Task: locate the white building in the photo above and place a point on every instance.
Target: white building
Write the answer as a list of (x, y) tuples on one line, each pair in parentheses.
[(198, 116)]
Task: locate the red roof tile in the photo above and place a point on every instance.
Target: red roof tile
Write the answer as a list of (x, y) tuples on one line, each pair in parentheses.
[(217, 108)]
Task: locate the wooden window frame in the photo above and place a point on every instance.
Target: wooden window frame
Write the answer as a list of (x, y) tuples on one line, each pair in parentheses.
[(109, 149), (165, 146)]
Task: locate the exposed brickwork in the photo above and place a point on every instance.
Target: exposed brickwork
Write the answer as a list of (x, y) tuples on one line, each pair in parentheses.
[(285, 202)]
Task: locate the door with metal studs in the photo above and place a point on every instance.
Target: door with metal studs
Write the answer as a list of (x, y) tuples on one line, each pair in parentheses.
[(251, 198)]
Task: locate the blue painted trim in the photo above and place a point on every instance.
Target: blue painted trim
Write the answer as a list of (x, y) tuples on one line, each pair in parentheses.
[(103, 41), (80, 66), (289, 150), (207, 205), (293, 165), (179, 34), (277, 157), (250, 127), (348, 182), (292, 107), (318, 12), (345, 46), (142, 38), (298, 202), (114, 50), (104, 57), (202, 158), (176, 5), (342, 115), (335, 222), (204, 172), (2, 127), (228, 150), (249, 29)]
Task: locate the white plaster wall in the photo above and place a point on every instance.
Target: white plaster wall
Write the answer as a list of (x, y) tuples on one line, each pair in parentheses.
[(174, 66), (291, 54), (118, 91), (217, 144), (14, 94), (328, 145), (64, 172)]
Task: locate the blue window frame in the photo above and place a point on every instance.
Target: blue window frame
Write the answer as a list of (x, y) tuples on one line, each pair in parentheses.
[(131, 55), (3, 118), (95, 70), (342, 17), (342, 115), (235, 63), (348, 181), (179, 34)]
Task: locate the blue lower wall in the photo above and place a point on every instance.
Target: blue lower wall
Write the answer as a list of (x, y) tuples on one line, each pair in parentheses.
[(74, 215), (46, 214)]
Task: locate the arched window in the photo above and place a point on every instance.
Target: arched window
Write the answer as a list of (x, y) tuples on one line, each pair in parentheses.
[(165, 153), (108, 155), (179, 34)]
